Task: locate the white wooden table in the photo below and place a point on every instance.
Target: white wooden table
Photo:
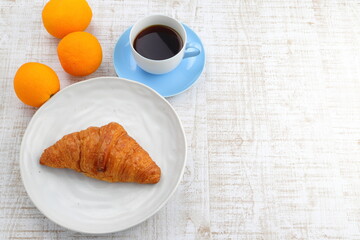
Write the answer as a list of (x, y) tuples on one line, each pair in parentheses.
[(273, 124)]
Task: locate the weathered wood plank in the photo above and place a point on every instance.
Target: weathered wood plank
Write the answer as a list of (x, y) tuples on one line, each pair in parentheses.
[(273, 125)]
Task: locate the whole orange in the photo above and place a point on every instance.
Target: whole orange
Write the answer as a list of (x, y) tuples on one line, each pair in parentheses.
[(35, 83), (79, 53), (61, 17)]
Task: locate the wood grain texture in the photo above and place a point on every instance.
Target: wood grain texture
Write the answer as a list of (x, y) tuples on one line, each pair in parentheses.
[(273, 125)]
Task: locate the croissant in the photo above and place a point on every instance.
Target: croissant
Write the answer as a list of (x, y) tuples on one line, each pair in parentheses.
[(106, 153)]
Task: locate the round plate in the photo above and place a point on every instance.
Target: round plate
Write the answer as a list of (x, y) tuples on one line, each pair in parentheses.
[(169, 84), (87, 205)]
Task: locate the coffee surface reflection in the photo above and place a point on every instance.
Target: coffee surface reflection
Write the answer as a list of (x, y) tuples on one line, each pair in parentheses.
[(158, 42)]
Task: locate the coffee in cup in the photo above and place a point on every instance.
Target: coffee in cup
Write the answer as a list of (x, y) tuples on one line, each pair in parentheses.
[(159, 43)]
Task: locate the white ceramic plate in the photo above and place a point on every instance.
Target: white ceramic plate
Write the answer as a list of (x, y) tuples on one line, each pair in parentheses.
[(88, 205)]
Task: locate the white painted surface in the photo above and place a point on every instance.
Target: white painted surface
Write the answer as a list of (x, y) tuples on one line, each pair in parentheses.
[(273, 125)]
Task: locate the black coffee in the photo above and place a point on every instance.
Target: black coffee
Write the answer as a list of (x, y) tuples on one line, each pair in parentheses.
[(158, 42)]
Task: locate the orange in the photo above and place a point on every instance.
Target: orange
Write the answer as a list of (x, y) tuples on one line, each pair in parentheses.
[(79, 53), (35, 83), (61, 17)]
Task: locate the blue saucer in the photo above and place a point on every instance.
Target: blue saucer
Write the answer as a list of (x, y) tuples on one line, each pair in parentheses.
[(168, 84)]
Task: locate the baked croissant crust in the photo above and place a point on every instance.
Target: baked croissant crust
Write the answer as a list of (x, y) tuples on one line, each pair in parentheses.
[(106, 153)]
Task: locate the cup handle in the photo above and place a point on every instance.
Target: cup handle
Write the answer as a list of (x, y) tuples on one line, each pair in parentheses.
[(191, 50)]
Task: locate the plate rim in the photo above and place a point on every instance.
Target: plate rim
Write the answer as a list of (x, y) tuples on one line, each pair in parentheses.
[(177, 93), (143, 219)]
